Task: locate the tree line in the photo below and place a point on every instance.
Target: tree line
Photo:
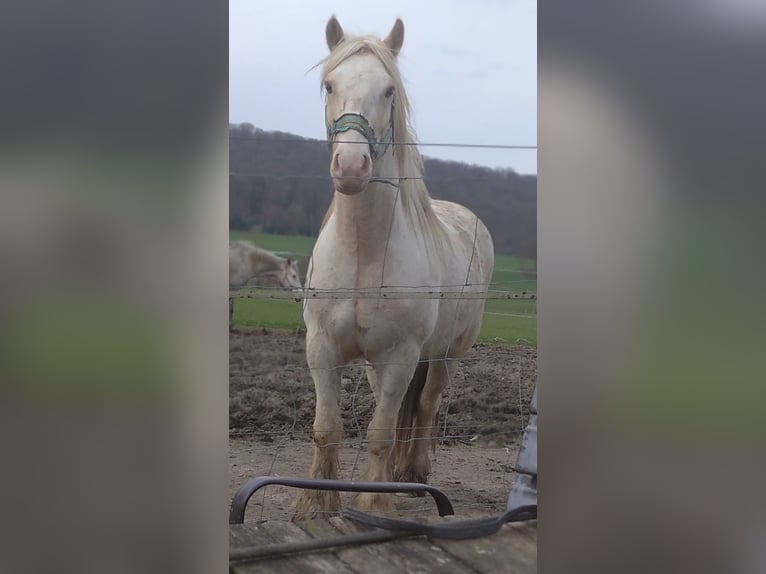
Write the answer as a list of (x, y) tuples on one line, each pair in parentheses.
[(280, 183)]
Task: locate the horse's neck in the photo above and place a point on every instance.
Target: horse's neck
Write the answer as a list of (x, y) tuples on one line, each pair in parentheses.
[(364, 220), (265, 263)]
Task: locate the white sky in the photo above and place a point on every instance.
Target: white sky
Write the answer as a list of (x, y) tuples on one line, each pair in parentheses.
[(470, 69)]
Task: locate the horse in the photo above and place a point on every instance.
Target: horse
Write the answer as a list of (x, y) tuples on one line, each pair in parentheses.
[(247, 261), (383, 230)]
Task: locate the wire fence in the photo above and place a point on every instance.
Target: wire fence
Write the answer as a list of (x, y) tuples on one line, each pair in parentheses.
[(318, 177), (476, 438), (474, 451), (401, 144), (426, 292), (483, 413)]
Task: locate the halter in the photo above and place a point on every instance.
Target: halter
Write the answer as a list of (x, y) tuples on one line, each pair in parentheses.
[(359, 123)]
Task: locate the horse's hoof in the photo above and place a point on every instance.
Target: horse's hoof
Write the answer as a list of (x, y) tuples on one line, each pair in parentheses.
[(316, 504), (410, 475), (374, 501)]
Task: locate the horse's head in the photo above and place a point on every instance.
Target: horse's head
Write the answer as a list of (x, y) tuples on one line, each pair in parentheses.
[(290, 278), (361, 84)]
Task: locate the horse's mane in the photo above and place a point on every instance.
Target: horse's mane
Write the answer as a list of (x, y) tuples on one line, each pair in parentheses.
[(413, 192)]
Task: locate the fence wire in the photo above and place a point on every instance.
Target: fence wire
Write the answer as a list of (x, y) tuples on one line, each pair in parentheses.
[(478, 445), (486, 453), (261, 139), (330, 178), (285, 448)]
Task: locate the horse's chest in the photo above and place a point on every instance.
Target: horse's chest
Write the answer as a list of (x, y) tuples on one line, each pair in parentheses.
[(381, 324), (360, 315), (360, 318), (367, 323)]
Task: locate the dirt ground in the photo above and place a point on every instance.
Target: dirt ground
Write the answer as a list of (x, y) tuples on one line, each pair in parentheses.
[(271, 412)]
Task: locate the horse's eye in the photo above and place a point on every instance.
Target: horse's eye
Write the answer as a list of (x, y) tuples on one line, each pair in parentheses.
[(328, 87), (389, 91)]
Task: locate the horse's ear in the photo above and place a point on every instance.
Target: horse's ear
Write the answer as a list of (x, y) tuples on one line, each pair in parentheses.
[(289, 262), (395, 37), (333, 33)]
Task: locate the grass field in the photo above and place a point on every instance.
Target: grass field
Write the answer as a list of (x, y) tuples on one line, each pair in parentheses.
[(505, 321)]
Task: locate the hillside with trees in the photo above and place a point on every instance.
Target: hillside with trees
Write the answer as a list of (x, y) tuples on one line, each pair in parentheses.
[(280, 182)]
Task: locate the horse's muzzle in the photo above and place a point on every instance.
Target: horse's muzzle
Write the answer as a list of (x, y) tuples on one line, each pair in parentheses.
[(351, 168), (350, 185)]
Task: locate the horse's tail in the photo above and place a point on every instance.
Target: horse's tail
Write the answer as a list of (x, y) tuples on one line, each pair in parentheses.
[(408, 413)]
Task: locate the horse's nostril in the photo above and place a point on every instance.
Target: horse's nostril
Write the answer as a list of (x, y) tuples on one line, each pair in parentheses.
[(365, 162)]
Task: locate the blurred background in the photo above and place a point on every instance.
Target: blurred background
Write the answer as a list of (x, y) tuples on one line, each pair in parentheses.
[(112, 237), (650, 187)]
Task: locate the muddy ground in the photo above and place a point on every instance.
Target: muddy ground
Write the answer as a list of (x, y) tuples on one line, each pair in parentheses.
[(272, 409)]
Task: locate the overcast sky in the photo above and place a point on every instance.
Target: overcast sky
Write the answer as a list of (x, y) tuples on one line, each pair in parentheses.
[(470, 69)]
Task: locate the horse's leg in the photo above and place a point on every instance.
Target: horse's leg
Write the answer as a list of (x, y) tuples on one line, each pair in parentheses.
[(391, 379), (372, 378), (417, 464), (328, 429)]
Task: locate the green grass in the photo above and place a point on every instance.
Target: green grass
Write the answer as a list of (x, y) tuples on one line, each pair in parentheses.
[(509, 322), (514, 274), (279, 314), (505, 321)]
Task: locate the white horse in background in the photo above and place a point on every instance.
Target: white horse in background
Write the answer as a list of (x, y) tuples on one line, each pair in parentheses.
[(246, 261), (383, 230)]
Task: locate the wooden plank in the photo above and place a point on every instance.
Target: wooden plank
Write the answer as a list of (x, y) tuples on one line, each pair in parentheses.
[(241, 535), (512, 550), (417, 555), (322, 562), (528, 529), (367, 558), (247, 535)]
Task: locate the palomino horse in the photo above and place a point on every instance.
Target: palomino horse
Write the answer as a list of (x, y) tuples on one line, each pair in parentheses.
[(247, 261), (384, 232)]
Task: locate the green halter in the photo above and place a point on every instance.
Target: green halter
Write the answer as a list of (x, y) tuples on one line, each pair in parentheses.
[(359, 123)]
